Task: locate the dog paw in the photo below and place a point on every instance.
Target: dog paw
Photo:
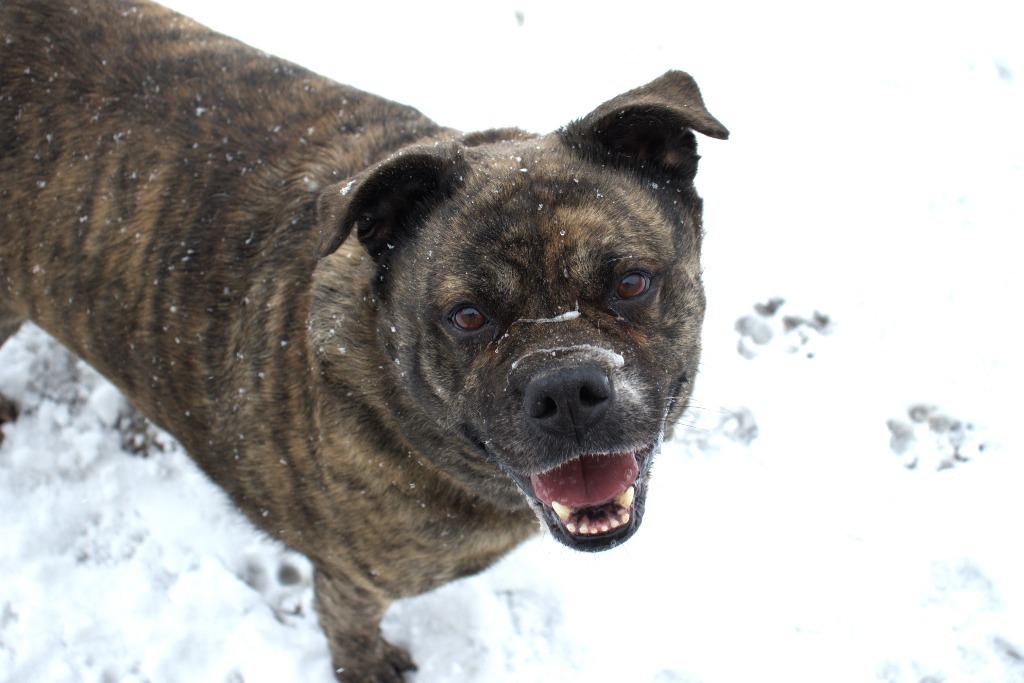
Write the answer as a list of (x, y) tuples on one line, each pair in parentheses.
[(388, 668), (767, 327), (398, 660), (930, 440)]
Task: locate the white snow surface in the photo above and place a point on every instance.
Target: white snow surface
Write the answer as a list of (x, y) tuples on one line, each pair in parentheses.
[(847, 502)]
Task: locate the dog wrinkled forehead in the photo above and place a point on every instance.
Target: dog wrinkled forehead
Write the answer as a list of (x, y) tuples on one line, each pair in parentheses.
[(555, 238)]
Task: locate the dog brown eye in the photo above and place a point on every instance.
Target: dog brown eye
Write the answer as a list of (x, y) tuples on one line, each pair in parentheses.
[(469, 319), (632, 286)]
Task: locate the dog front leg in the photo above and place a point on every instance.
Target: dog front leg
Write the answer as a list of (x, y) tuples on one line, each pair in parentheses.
[(350, 616)]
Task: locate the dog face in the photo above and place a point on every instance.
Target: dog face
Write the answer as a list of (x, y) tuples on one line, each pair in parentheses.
[(538, 302)]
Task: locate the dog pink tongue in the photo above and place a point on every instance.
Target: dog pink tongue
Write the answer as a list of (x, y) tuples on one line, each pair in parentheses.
[(587, 481)]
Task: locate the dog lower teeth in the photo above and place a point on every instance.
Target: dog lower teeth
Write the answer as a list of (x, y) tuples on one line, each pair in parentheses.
[(599, 519)]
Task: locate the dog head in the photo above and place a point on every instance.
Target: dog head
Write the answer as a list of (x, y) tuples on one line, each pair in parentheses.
[(537, 301)]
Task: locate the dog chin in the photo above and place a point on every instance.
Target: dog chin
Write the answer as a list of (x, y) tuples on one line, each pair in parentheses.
[(602, 497)]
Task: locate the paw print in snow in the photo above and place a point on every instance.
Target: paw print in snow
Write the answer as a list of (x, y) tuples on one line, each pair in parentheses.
[(284, 581), (712, 429), (766, 328), (930, 440)]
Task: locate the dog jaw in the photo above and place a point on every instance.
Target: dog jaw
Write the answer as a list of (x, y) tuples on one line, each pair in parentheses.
[(609, 514)]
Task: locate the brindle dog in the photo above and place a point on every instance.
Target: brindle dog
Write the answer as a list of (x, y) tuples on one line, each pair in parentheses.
[(396, 346)]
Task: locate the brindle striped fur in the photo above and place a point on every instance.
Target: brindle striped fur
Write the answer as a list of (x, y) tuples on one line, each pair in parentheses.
[(175, 207)]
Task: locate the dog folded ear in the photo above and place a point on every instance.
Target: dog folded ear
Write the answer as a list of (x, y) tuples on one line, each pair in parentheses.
[(385, 202), (649, 127)]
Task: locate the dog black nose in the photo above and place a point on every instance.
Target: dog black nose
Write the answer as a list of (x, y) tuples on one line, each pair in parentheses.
[(568, 399)]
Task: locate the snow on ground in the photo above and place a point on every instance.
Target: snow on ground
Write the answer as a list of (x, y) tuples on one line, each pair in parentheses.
[(847, 503)]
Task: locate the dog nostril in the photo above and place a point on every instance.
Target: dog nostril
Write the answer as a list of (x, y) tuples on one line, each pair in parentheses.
[(548, 408), (542, 407), (591, 396)]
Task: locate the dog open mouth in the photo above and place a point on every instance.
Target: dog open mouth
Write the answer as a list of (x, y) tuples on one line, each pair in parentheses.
[(592, 494), (593, 502)]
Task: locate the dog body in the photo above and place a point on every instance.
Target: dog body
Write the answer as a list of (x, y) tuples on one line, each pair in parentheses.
[(396, 346)]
